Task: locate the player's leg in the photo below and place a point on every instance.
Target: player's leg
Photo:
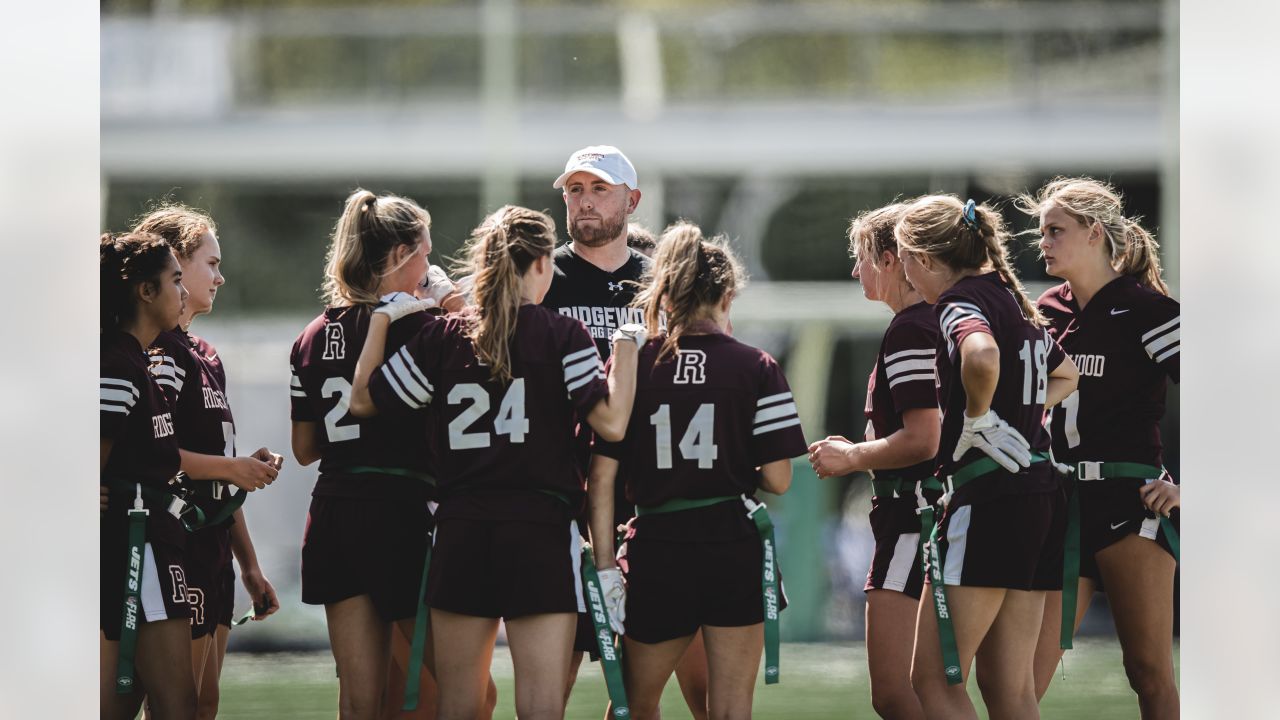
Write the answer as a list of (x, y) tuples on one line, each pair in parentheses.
[(648, 668), (398, 674), (361, 643), (1138, 575), (1048, 646), (112, 705), (691, 674), (733, 661), (891, 617), (540, 649), (1005, 657), (463, 646), (973, 610), (207, 689), (163, 662)]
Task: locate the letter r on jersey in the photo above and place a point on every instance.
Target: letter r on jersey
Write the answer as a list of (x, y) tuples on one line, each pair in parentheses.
[(690, 367)]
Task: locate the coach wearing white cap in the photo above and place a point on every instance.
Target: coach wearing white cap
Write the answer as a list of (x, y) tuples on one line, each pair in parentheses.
[(600, 192)]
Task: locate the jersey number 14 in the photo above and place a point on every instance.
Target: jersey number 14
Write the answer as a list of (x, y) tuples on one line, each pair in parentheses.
[(697, 443)]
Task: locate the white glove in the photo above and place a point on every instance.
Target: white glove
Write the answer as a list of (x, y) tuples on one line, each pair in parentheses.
[(631, 331), (994, 437), (398, 304), (436, 285), (615, 598)]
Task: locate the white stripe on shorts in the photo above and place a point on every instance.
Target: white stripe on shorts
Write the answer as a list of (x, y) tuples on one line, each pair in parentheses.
[(575, 553), (153, 608), (904, 558), (957, 539)]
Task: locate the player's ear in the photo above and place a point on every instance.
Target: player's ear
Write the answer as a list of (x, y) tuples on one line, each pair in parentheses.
[(888, 258), (1095, 233), (147, 291), (633, 201)]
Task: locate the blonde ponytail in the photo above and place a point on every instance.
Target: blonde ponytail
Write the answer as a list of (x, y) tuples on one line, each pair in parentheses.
[(689, 277), (935, 225), (498, 253), (364, 237), (1131, 248)]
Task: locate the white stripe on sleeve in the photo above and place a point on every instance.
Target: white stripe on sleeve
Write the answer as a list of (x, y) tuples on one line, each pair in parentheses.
[(1162, 328), (776, 426), (1155, 346), (906, 366), (902, 354), (404, 377), (771, 399), (911, 378), (575, 357), (389, 374), (775, 412), (586, 366), (1168, 353)]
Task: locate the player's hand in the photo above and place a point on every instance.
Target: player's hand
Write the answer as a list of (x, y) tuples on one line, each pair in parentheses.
[(250, 473), (437, 286), (398, 304), (832, 457), (997, 439), (634, 332), (1161, 496), (275, 460), (260, 591), (103, 495), (615, 598)]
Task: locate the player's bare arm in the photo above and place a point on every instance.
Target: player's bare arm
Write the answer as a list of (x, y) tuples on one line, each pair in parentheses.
[(979, 372), (775, 477), (1063, 381), (609, 417), (260, 590), (600, 480), (305, 441), (371, 356), (916, 442)]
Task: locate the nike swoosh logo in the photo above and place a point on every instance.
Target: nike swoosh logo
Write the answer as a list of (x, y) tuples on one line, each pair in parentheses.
[(1118, 312), (212, 357), (1116, 525)]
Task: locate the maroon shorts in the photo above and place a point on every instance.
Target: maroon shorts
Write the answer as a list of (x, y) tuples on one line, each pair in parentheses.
[(674, 588), (163, 590), (506, 569), (207, 560), (366, 546), (895, 565), (1006, 541), (1110, 511)]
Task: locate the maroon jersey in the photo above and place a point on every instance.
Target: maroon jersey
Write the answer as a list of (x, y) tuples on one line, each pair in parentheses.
[(983, 303), (498, 439), (904, 378), (323, 361), (192, 378), (135, 415), (704, 421), (1125, 342)]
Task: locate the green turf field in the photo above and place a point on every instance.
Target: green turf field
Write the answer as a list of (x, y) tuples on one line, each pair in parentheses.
[(819, 681)]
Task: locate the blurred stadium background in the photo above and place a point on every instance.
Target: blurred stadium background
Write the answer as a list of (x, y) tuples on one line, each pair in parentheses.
[(772, 122)]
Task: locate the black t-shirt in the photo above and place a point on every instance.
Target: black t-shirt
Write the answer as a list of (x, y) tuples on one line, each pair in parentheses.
[(597, 298)]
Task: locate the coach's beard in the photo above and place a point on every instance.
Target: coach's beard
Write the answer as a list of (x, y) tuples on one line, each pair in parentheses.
[(597, 235)]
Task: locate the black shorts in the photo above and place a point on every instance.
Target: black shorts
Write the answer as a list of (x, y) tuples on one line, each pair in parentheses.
[(895, 565), (584, 638), (366, 546), (674, 588), (227, 604), (163, 590), (506, 569), (207, 560), (1110, 511), (1005, 541)]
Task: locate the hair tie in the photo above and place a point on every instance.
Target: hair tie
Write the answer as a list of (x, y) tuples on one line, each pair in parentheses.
[(970, 215)]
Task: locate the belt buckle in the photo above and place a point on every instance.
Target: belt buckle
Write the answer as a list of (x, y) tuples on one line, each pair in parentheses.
[(1088, 470), (176, 506), (752, 505)]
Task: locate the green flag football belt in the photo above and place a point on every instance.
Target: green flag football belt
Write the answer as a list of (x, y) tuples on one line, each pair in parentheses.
[(1091, 472), (609, 646), (932, 557), (758, 514), (885, 485)]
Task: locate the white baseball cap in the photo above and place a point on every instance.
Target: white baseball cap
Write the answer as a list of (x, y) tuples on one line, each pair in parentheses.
[(605, 162)]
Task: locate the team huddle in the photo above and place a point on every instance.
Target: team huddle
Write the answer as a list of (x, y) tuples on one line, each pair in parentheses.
[(570, 441)]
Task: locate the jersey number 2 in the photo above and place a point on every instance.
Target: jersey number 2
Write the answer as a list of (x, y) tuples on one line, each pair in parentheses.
[(510, 421), (338, 433), (697, 443)]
